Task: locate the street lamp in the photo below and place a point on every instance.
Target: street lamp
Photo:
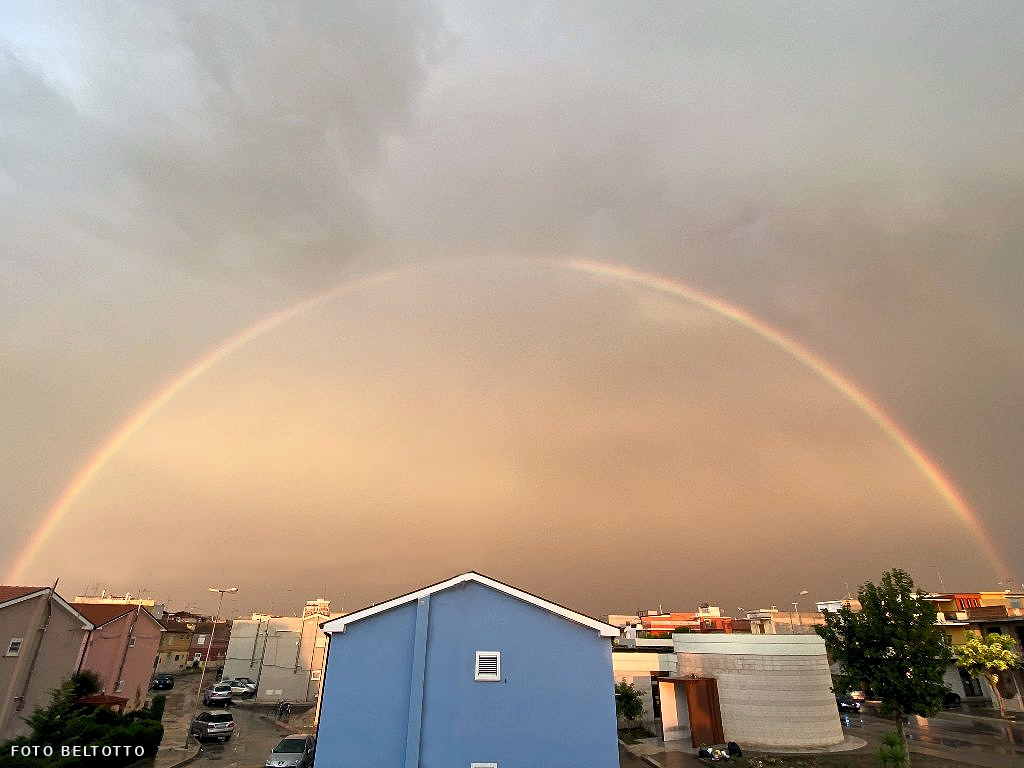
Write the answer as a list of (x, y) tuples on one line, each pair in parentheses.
[(209, 647)]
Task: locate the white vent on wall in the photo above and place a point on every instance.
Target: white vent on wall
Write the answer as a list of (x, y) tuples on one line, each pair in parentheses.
[(488, 667), (483, 765)]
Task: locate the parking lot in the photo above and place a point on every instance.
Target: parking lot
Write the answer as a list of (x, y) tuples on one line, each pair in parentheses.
[(254, 737)]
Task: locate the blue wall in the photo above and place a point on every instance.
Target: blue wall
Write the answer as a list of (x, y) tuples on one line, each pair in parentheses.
[(365, 708), (554, 706)]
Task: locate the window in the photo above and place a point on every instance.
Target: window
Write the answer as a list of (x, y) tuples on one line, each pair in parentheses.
[(201, 640), (488, 666), (314, 675), (14, 647)]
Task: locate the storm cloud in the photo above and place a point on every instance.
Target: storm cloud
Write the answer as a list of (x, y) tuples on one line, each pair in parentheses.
[(852, 175)]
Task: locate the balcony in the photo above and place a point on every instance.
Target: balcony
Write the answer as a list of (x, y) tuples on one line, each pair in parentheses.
[(987, 612)]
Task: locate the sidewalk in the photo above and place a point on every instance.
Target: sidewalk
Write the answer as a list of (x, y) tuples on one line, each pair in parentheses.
[(170, 756), (677, 755)]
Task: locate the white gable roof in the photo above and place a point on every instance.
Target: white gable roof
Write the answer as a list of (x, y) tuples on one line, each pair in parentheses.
[(339, 624), (86, 624)]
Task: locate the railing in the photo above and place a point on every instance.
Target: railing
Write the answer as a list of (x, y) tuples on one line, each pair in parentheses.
[(987, 612)]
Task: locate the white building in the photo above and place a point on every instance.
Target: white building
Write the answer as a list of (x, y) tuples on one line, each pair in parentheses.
[(283, 654), (772, 692)]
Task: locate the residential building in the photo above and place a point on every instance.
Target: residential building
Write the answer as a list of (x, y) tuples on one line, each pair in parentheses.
[(1002, 613), (186, 617), (284, 654), (772, 621), (209, 642), (769, 691), (655, 628), (121, 649), (175, 641), (126, 599), (41, 641), (468, 672)]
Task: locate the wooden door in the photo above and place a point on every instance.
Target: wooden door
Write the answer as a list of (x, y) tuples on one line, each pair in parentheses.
[(705, 712)]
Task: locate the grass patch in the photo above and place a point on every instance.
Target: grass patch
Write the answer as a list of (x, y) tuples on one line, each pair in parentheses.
[(634, 735)]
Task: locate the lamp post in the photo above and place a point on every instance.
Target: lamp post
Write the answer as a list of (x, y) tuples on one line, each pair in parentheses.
[(209, 647)]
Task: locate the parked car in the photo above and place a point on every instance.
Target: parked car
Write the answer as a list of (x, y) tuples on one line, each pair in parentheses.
[(217, 694), (247, 681), (163, 682), (240, 688), (951, 700), (295, 751), (213, 725), (847, 704)]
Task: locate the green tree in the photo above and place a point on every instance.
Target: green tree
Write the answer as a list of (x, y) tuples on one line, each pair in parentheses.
[(893, 646), (987, 658), (628, 703), (65, 722), (47, 722)]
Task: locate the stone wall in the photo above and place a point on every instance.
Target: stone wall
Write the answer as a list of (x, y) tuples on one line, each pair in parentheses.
[(774, 690)]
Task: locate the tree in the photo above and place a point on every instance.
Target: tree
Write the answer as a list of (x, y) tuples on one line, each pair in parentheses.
[(47, 722), (628, 703), (987, 658), (893, 646), (66, 722)]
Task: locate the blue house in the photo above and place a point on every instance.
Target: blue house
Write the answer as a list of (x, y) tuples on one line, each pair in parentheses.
[(468, 673)]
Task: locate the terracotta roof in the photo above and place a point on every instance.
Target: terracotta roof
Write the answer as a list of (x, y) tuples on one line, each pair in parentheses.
[(10, 593), (103, 613), (174, 626), (104, 700)]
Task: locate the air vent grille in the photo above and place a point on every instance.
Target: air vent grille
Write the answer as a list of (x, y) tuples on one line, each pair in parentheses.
[(488, 665)]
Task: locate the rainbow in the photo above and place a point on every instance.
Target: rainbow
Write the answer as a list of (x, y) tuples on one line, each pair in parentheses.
[(920, 459)]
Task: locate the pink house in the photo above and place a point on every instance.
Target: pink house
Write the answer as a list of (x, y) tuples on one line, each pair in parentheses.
[(122, 649)]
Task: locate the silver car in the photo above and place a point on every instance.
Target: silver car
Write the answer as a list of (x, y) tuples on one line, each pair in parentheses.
[(241, 688), (295, 751), (217, 694)]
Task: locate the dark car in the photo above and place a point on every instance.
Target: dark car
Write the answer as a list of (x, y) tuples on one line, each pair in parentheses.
[(213, 725), (295, 751), (847, 704), (163, 682), (951, 700)]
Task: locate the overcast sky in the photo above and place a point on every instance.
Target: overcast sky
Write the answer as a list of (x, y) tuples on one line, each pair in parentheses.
[(850, 174)]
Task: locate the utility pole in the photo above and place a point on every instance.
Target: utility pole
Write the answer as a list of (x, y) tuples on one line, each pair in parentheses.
[(209, 647)]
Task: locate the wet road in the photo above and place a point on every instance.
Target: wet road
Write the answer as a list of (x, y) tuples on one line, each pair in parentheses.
[(255, 736), (954, 735)]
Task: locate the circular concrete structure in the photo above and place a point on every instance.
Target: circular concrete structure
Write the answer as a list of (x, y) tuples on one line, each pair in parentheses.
[(774, 691)]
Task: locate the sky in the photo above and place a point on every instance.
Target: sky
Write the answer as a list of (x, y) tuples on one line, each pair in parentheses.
[(288, 288)]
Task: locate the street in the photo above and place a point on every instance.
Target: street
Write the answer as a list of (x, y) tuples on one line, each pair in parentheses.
[(956, 735), (254, 737)]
